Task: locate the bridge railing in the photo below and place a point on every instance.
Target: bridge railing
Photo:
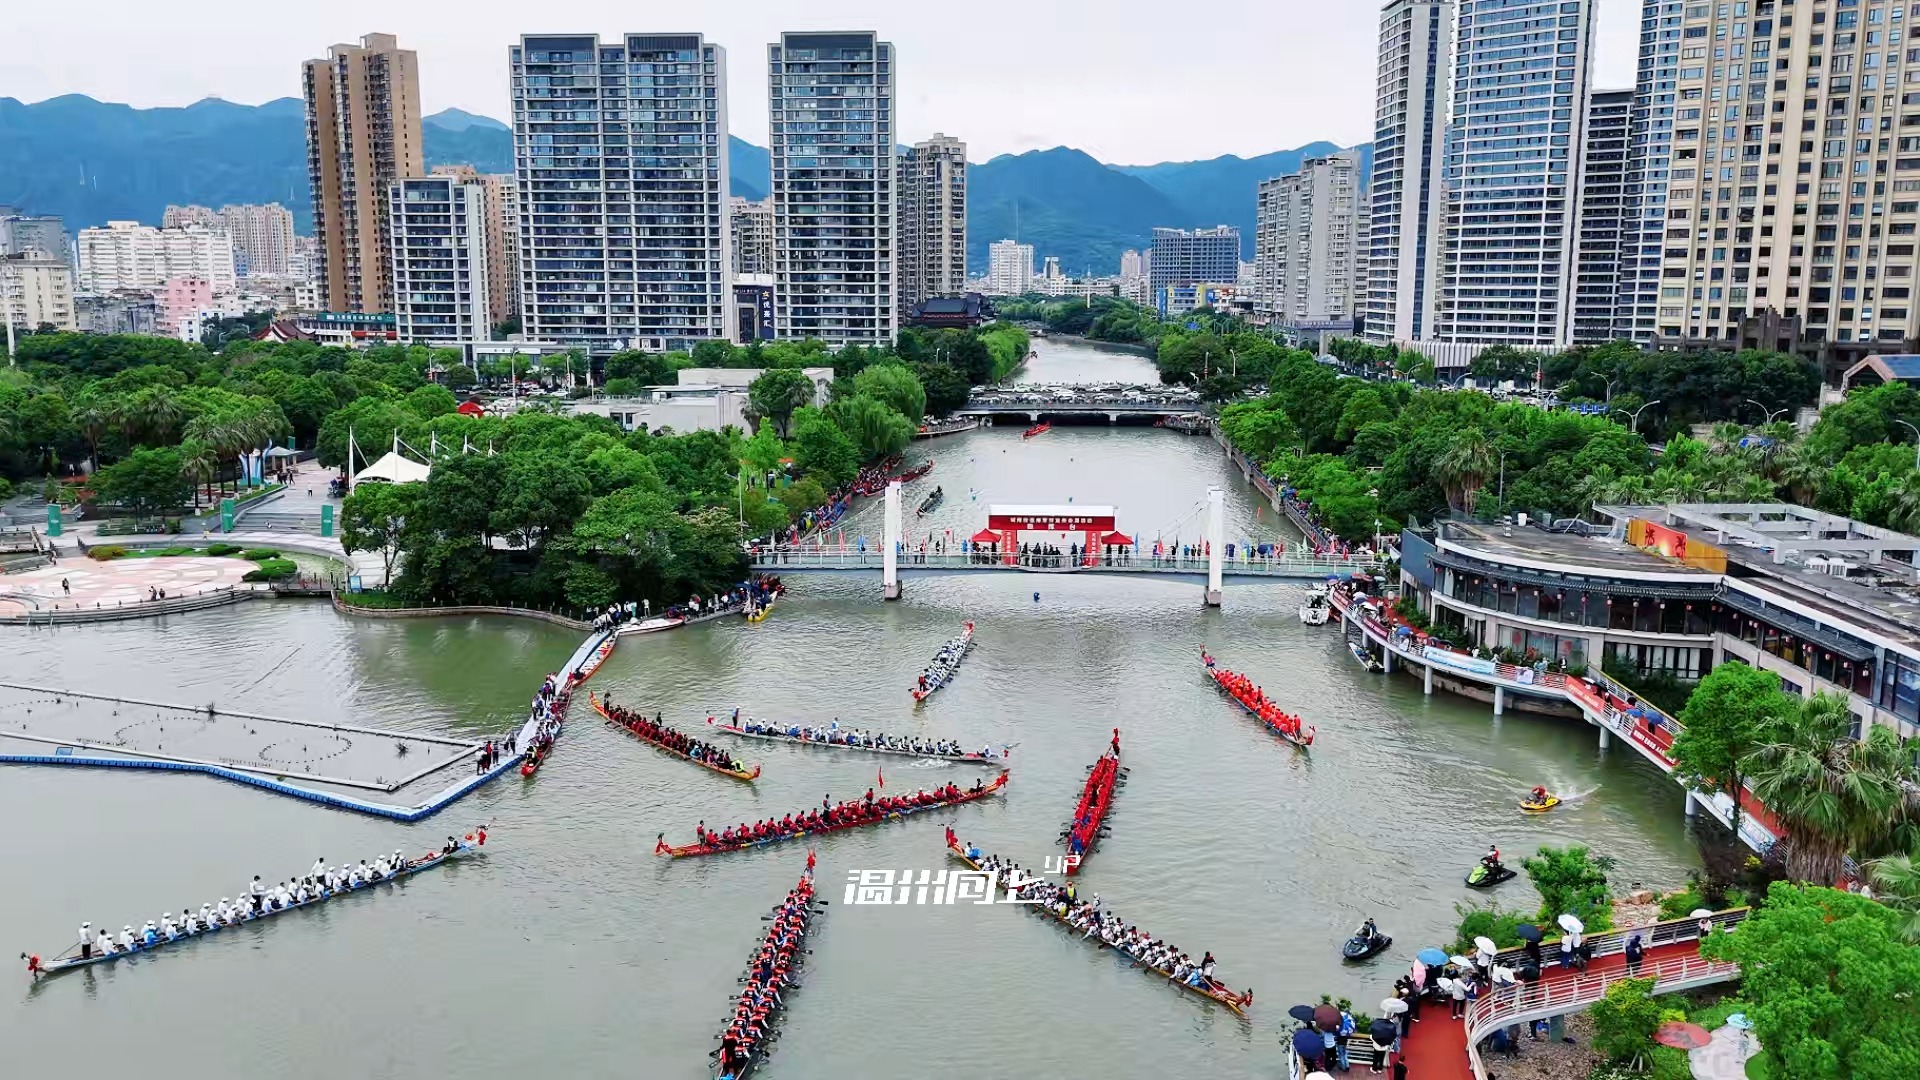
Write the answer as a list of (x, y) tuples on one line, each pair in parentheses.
[(836, 558)]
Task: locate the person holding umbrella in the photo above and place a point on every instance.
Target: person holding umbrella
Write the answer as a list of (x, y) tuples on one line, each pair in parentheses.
[(1307, 1044), (1531, 936), (1385, 1034)]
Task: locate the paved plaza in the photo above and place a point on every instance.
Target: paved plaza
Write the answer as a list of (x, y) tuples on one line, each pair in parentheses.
[(77, 583)]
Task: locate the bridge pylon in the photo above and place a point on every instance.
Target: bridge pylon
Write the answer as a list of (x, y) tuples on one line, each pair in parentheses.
[(1216, 542), (891, 541)]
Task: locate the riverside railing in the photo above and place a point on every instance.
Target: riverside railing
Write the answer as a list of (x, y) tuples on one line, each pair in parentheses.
[(1295, 566)]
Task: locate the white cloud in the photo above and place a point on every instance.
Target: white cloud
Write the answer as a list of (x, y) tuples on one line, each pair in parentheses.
[(1130, 81)]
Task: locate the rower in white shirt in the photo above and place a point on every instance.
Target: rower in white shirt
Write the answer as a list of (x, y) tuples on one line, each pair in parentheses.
[(257, 892), (167, 929), (206, 915), (126, 939), (86, 940), (319, 868), (104, 946)]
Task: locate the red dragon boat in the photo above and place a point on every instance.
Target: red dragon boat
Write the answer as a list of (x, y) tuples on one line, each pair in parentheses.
[(958, 797), (749, 775)]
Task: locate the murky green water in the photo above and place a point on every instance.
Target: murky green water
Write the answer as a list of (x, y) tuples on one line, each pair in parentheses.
[(571, 951)]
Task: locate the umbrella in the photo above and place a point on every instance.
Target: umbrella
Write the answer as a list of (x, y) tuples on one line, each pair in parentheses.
[(1503, 975), (1384, 1031), (1485, 945), (1307, 1044), (1528, 932), (1739, 1022), (1118, 539), (1431, 956), (1327, 1017), (1302, 1013), (1682, 1035), (1459, 961), (1393, 1006), (1700, 913), (1318, 1076), (986, 536), (1572, 925), (1420, 972)]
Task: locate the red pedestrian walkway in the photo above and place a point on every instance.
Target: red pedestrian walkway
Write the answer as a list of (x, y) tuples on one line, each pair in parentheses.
[(1435, 1048)]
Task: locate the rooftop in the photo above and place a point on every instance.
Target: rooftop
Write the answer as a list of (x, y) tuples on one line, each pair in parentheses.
[(1603, 551)]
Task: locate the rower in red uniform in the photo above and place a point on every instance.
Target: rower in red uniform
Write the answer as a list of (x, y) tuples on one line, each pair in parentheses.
[(1116, 742)]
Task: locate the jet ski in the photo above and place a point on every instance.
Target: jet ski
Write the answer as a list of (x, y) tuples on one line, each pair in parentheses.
[(1359, 947), (1540, 807), (1482, 878)]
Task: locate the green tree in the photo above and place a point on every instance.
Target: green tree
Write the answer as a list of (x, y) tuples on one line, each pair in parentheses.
[(148, 481), (540, 496), (874, 426), (822, 449), (1829, 984), (430, 401), (198, 464), (1896, 883), (1465, 465), (1724, 718), (1835, 794), (896, 386), (374, 518), (777, 393), (458, 378), (1625, 1019), (1572, 881), (946, 388)]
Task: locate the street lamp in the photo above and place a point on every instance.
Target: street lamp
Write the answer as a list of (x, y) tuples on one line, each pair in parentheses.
[(1635, 414), (1770, 413), (1916, 436)]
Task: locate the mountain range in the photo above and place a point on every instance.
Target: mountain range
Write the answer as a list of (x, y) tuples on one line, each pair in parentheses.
[(91, 162)]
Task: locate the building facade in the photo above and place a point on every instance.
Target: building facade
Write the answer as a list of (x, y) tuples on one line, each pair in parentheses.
[(503, 291), (830, 101), (1131, 266), (441, 292), (1793, 184), (932, 225), (1309, 262), (185, 302), (1193, 256), (129, 255), (1607, 226), (1520, 74), (262, 238), (620, 151), (363, 133), (179, 217), (36, 288), (117, 313), (34, 232), (1649, 161), (1009, 268), (751, 222), (1407, 192)]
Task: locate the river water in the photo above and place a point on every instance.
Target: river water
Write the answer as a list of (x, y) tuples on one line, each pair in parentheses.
[(569, 950)]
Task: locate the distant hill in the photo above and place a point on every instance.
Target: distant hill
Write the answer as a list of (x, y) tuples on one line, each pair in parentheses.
[(91, 162)]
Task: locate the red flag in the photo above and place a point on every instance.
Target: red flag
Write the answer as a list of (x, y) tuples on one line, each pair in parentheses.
[(883, 777)]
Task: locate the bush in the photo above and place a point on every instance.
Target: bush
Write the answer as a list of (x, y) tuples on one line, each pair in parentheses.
[(1488, 921), (375, 599), (222, 549), (1681, 903), (1572, 881), (1624, 1020), (272, 570), (6, 488), (105, 552), (1669, 1063), (258, 554)]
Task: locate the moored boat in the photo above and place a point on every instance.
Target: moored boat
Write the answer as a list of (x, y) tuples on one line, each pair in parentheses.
[(631, 729), (1038, 429), (845, 741), (1316, 609), (1216, 993), (707, 847), (940, 671), (916, 472), (427, 861), (1361, 654), (772, 971), (1253, 701)]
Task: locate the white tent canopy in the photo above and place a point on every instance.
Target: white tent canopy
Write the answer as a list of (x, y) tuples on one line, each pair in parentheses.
[(394, 469)]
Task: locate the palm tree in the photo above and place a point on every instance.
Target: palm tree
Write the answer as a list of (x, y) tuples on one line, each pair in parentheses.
[(154, 414), (1897, 881), (93, 420), (1905, 511), (1751, 488), (1836, 795), (1800, 470), (198, 463), (1463, 467), (1726, 437), (219, 437)]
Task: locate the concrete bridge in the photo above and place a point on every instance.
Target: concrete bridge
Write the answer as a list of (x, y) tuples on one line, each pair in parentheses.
[(1035, 411)]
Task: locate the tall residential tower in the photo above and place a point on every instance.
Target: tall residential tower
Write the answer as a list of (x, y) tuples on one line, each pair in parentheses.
[(932, 229), (1408, 189), (830, 106), (1607, 230), (620, 158), (441, 259), (1309, 265), (363, 133)]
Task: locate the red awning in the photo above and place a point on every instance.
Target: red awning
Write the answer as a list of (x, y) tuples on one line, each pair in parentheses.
[(1119, 539), (986, 536)]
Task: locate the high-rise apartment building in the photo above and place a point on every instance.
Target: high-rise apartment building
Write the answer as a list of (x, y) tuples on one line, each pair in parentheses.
[(1649, 161), (1131, 266), (932, 227), (36, 288), (129, 255), (835, 265), (441, 292), (1183, 257), (179, 217), (46, 233), (1309, 261), (752, 224), (1407, 193), (1520, 72), (1607, 229), (503, 290), (620, 156), (363, 133), (1009, 268), (1792, 185), (262, 238)]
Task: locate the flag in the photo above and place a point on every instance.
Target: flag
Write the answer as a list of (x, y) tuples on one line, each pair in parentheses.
[(883, 776)]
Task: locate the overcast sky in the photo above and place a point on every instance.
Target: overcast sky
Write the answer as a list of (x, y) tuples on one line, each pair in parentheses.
[(1129, 81)]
